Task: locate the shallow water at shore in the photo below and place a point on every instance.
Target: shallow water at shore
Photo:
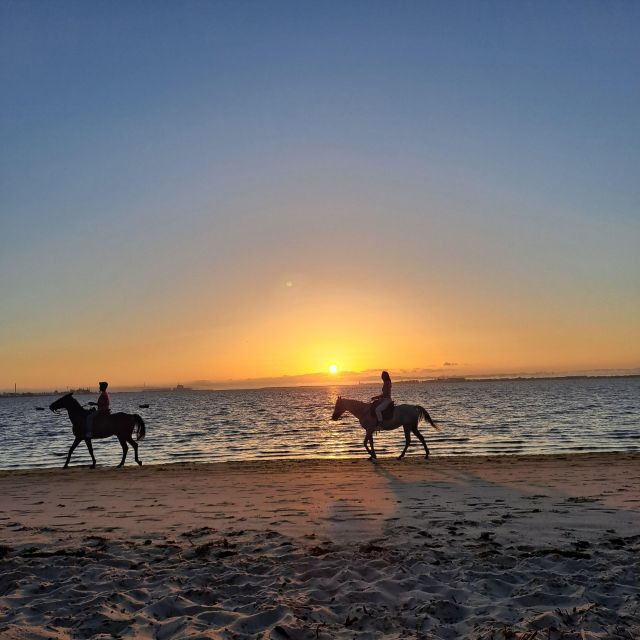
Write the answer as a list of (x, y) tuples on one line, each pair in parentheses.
[(477, 418)]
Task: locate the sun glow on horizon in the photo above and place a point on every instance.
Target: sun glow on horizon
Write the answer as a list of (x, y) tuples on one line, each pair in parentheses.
[(246, 222)]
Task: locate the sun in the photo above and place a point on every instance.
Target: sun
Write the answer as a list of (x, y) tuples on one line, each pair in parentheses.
[(333, 369)]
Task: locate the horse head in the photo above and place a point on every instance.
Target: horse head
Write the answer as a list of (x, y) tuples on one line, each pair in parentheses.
[(339, 409), (61, 403)]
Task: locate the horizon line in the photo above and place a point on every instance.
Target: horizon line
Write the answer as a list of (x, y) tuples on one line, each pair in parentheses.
[(322, 379)]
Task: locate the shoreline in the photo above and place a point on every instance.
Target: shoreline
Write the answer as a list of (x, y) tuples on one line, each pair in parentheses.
[(454, 547), (278, 463)]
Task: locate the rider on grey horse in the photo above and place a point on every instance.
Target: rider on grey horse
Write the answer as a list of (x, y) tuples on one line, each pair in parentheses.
[(384, 399)]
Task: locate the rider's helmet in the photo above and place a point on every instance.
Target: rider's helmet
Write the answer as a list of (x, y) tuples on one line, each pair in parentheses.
[(385, 375), (103, 386)]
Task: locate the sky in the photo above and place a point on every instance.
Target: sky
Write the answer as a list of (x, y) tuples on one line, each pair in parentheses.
[(235, 190)]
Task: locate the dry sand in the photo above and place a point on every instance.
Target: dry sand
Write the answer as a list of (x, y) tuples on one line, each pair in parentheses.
[(505, 547)]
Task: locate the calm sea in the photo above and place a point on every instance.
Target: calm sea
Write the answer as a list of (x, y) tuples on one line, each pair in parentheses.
[(496, 417)]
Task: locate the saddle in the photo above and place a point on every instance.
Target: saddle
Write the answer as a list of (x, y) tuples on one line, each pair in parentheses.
[(101, 424), (387, 414)]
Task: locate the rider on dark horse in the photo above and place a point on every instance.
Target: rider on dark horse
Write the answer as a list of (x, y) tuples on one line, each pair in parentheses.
[(103, 405), (382, 401)]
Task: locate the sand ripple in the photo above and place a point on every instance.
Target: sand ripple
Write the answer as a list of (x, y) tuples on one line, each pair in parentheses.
[(196, 589)]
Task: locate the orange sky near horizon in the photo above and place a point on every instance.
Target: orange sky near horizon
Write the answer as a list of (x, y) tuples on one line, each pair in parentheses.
[(302, 329), (215, 191), (493, 295)]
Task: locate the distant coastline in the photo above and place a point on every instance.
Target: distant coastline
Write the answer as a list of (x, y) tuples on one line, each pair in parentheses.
[(436, 380)]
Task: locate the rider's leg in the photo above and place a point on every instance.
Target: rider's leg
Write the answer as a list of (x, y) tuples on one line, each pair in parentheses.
[(89, 426), (384, 403)]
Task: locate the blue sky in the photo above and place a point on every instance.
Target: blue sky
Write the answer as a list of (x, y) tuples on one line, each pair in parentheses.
[(481, 157)]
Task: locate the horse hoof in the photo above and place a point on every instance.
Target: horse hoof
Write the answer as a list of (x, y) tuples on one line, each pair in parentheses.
[(139, 463), (400, 457)]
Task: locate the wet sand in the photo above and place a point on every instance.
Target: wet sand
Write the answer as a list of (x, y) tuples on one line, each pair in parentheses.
[(513, 546)]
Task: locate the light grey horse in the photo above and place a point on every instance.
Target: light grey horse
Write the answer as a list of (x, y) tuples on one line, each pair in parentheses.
[(406, 416)]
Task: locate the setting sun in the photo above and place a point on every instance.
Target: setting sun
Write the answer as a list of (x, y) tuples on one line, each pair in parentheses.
[(333, 369)]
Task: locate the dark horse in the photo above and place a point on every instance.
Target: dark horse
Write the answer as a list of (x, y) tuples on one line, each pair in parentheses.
[(115, 424)]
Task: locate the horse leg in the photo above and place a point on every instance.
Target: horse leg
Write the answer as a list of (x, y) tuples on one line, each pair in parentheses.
[(366, 444), (76, 442), (407, 442), (373, 451), (90, 447), (369, 438), (421, 438), (134, 444), (125, 448)]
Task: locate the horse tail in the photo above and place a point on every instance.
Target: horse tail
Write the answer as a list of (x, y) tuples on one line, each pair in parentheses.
[(423, 414), (140, 428)]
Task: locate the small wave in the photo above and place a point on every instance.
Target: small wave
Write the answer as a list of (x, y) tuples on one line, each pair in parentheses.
[(477, 419)]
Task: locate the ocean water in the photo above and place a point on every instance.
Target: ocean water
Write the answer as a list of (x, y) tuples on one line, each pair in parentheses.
[(477, 418)]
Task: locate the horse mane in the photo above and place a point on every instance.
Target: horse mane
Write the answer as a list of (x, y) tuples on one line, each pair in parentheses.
[(354, 400), (73, 406), (74, 401)]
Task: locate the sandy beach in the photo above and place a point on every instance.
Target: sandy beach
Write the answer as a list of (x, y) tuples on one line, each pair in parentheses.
[(503, 547)]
